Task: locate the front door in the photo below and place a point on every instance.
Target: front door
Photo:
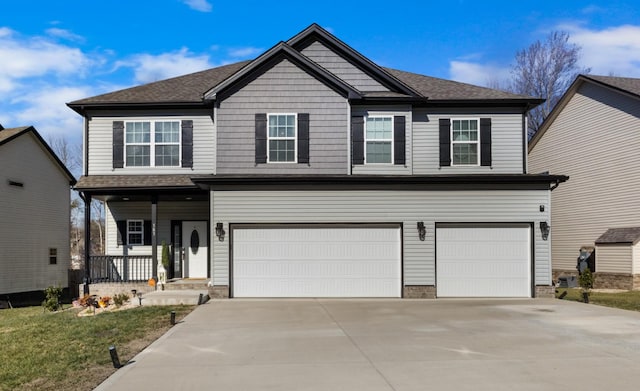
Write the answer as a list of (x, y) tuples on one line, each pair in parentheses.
[(194, 242)]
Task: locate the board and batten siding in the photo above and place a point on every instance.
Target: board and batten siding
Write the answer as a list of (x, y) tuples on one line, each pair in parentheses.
[(101, 141), (334, 63), (404, 207), (614, 259), (506, 141), (386, 169), (595, 144), (167, 211), (285, 88), (34, 218)]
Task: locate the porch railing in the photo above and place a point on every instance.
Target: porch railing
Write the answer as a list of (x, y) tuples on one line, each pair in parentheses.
[(120, 268)]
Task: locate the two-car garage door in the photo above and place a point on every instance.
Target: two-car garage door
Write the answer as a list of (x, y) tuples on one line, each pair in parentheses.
[(316, 261)]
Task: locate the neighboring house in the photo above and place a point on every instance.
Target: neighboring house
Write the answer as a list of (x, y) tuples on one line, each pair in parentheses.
[(313, 172), (34, 213), (592, 136)]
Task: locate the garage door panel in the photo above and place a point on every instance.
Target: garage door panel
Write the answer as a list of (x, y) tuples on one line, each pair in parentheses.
[(483, 262), (316, 262)]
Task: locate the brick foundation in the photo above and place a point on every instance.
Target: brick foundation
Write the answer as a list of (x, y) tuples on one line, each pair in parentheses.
[(114, 288), (219, 292), (545, 292), (603, 280), (419, 292)]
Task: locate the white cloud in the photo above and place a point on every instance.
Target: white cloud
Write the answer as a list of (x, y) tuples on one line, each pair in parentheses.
[(199, 5), (149, 68), (244, 52), (36, 57), (475, 73), (64, 34), (612, 50)]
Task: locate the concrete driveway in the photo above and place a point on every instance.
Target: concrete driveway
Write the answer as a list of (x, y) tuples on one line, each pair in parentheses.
[(392, 345)]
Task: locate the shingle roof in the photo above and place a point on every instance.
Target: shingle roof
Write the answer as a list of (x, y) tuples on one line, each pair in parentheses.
[(629, 235), (183, 89), (6, 134), (441, 89), (133, 182), (628, 84), (190, 88)]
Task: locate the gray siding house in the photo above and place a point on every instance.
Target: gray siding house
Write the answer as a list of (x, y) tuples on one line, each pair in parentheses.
[(313, 172), (34, 213), (592, 135)]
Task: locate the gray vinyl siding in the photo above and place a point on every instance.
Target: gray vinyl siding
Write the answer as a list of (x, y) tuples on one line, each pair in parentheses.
[(404, 207), (636, 259), (506, 141), (614, 259), (593, 140), (386, 169), (101, 141), (167, 211), (340, 67), (33, 219), (285, 88)]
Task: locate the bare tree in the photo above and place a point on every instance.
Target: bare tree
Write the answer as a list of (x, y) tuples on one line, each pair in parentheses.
[(97, 217), (546, 70)]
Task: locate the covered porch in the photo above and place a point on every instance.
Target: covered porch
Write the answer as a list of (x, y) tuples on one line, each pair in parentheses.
[(148, 219)]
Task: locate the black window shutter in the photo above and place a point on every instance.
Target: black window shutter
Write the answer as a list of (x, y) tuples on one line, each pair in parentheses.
[(261, 138), (445, 142), (147, 232), (485, 141), (118, 144), (357, 140), (187, 143), (399, 132), (303, 138), (122, 231)]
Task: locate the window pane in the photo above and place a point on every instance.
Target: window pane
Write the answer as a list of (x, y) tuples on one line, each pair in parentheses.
[(282, 150), (465, 154), (167, 132), (167, 155), (379, 128), (378, 152), (138, 155)]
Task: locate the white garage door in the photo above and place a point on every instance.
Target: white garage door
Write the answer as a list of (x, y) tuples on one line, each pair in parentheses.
[(483, 261), (316, 262)]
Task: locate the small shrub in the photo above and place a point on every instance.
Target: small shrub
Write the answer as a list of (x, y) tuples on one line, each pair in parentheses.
[(52, 298), (104, 301), (120, 298), (586, 280), (89, 301)]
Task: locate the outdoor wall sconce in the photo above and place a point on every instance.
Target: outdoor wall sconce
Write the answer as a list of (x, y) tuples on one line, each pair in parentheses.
[(544, 229), (422, 231), (220, 232)]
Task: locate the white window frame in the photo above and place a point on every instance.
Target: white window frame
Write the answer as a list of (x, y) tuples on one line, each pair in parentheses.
[(152, 143), (295, 138), (379, 140), (477, 142), (141, 232)]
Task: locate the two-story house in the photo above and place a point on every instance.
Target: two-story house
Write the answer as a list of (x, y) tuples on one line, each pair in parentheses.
[(311, 171)]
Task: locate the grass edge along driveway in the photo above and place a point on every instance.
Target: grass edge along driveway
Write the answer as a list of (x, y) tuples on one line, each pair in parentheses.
[(53, 351)]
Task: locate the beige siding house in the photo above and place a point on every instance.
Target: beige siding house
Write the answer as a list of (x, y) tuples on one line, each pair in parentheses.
[(311, 171), (592, 136), (34, 213)]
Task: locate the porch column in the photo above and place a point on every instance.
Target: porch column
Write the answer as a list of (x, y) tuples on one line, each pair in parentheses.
[(87, 243), (154, 236)]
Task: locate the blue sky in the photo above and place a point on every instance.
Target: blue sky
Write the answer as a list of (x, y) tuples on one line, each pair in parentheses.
[(53, 52)]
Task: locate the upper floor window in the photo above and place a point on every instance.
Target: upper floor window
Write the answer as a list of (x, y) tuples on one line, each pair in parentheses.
[(53, 256), (282, 138), (465, 142), (152, 143), (379, 140)]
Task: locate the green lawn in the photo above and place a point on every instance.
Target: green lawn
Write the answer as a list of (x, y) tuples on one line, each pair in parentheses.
[(54, 351), (628, 300)]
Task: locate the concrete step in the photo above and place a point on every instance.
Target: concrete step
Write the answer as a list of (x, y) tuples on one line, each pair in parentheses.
[(185, 284), (176, 297)]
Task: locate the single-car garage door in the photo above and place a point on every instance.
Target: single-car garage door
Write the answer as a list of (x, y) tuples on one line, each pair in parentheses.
[(316, 261), (483, 261)]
